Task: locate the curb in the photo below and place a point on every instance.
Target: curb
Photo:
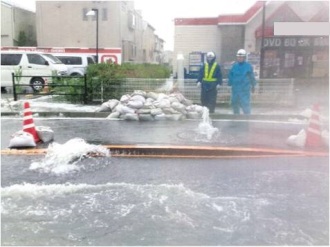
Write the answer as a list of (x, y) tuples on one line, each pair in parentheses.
[(212, 116)]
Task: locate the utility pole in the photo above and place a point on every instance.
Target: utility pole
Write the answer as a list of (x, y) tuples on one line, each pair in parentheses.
[(262, 50)]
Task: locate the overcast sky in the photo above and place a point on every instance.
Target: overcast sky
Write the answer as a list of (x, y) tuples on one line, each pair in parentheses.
[(161, 13)]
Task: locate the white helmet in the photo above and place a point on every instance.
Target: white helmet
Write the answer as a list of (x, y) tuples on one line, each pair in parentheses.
[(241, 53), (210, 54)]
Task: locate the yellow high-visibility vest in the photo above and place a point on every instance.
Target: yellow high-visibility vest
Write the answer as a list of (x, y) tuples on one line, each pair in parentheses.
[(208, 77)]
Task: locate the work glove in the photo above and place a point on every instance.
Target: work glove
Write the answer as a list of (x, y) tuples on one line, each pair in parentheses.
[(198, 84), (218, 87), (252, 89)]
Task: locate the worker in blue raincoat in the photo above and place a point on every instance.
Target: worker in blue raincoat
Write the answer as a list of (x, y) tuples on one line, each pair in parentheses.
[(242, 81), (209, 80)]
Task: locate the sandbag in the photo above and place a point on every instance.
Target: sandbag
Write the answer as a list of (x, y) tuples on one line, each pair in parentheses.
[(196, 108), (125, 98), (149, 100), (169, 110), (149, 104), (162, 103), (298, 140), (152, 95), (143, 111), (160, 117), (187, 102), (114, 115), (45, 133), (179, 107), (139, 92), (178, 96), (135, 104), (138, 98), (104, 108), (122, 109), (162, 96), (173, 99), (156, 111), (199, 108), (22, 139), (130, 117), (174, 117), (113, 103)]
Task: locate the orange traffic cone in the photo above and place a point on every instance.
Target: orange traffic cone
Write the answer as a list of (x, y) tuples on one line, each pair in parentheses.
[(46, 88), (313, 136), (28, 124)]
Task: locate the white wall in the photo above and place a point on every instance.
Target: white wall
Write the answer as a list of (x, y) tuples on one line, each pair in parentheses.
[(194, 38)]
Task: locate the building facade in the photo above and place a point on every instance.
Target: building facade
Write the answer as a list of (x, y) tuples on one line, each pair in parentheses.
[(119, 26), (17, 26), (282, 56), (66, 24)]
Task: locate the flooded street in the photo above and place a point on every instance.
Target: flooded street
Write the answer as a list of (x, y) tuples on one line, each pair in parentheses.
[(164, 201)]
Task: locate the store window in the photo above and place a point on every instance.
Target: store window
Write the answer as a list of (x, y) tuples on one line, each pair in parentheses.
[(320, 63), (271, 64)]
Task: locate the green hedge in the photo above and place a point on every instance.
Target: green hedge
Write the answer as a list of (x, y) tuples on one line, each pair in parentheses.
[(111, 76), (128, 70), (108, 77)]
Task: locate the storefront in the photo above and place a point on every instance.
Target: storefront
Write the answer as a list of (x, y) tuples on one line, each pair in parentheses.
[(296, 57)]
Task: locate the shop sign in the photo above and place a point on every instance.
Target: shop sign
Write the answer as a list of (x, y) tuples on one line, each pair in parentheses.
[(272, 42), (287, 42)]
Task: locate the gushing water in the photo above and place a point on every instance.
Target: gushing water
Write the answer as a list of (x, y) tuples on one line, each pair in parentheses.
[(63, 158), (167, 87), (205, 128)]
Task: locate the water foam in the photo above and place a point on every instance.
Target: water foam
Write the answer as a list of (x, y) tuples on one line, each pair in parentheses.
[(64, 158), (167, 86), (28, 190), (205, 128)]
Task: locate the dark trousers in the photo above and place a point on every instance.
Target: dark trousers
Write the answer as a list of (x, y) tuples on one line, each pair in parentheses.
[(209, 98)]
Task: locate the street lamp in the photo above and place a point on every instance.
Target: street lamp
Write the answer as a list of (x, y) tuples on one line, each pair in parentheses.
[(96, 13)]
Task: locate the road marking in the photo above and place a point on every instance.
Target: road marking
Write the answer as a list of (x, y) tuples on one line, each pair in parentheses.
[(190, 120), (165, 151)]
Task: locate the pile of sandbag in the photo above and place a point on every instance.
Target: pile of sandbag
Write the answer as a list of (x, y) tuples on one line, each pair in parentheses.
[(144, 106)]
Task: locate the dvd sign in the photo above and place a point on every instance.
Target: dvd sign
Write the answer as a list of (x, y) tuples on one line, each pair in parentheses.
[(287, 42), (272, 42)]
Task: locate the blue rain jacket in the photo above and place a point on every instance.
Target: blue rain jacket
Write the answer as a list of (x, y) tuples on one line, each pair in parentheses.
[(241, 77)]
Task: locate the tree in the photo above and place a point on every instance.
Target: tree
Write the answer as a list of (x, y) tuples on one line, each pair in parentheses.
[(22, 39)]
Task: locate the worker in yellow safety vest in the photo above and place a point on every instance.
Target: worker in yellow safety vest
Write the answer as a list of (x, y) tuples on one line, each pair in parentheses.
[(209, 80)]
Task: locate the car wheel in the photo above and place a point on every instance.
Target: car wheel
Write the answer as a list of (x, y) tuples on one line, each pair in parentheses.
[(37, 84)]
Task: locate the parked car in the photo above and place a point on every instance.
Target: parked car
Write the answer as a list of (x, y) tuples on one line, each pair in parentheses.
[(76, 63), (36, 67)]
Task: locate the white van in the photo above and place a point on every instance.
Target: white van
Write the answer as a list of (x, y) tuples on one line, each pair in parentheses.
[(76, 63), (37, 66)]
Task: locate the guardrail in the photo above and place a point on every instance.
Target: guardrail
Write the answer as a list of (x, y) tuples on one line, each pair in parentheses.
[(267, 91)]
